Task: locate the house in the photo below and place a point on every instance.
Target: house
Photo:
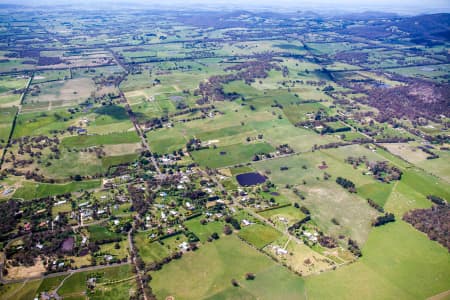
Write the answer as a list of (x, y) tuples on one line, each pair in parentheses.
[(81, 131), (281, 251), (246, 222), (184, 246), (108, 257), (282, 219)]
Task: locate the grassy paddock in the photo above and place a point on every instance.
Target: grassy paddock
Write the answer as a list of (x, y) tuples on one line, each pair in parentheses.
[(259, 235), (31, 190), (97, 140), (211, 268), (398, 263), (234, 154)]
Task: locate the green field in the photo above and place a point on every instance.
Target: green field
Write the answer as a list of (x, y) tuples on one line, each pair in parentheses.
[(20, 291), (203, 232), (31, 190), (117, 160), (259, 235), (398, 263), (101, 233), (215, 264), (157, 250), (76, 286), (85, 141), (234, 154), (290, 213)]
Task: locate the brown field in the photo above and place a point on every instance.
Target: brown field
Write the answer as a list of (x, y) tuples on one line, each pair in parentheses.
[(121, 149), (24, 272), (407, 151)]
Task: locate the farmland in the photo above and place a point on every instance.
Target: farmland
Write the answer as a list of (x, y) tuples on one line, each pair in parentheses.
[(213, 153)]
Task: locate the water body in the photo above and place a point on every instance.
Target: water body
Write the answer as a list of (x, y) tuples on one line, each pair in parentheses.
[(249, 179)]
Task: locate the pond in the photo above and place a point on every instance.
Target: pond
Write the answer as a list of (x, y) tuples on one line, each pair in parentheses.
[(68, 244), (248, 179)]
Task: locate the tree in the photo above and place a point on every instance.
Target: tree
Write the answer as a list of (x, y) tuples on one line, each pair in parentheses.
[(381, 220), (234, 282), (250, 276), (227, 230)]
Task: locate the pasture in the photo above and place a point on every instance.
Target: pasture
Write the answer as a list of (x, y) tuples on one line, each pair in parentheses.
[(85, 141), (102, 233), (154, 251), (215, 264), (398, 263), (230, 155), (76, 285), (31, 190), (259, 235)]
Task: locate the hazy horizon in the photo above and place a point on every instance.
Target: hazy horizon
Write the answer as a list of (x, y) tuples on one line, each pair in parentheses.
[(395, 6)]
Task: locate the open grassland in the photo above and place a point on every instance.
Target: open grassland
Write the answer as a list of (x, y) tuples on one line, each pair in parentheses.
[(101, 233), (31, 190), (74, 163), (289, 213), (203, 232), (230, 155), (10, 83), (69, 91), (20, 291), (300, 257), (85, 141), (50, 284), (108, 119), (6, 118), (110, 161), (76, 286), (166, 140), (327, 201), (439, 167), (156, 251), (9, 99), (398, 263), (305, 167), (259, 235), (215, 264), (299, 139), (39, 123), (376, 191), (436, 73), (50, 75), (110, 248)]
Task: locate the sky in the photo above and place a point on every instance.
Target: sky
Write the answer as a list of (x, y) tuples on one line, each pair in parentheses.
[(398, 6)]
